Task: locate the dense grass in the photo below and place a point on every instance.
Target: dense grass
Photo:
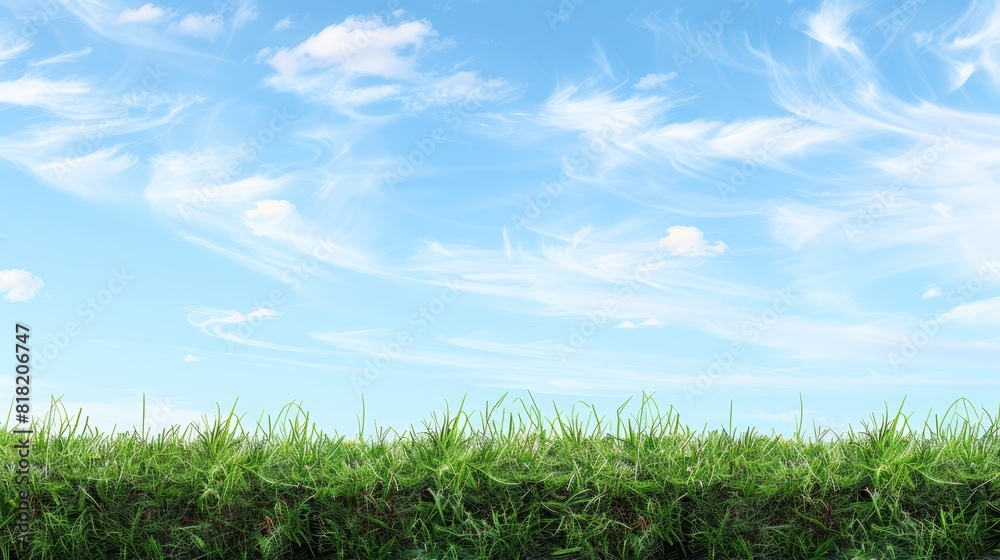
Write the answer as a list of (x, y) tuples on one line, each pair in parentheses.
[(512, 484)]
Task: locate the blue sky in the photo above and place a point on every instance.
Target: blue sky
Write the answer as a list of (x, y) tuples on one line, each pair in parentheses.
[(720, 202)]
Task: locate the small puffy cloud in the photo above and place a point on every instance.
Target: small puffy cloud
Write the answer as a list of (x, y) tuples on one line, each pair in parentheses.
[(359, 46), (18, 285), (271, 210), (653, 81), (689, 241), (932, 292), (271, 217), (199, 25), (647, 324), (191, 358), (147, 13)]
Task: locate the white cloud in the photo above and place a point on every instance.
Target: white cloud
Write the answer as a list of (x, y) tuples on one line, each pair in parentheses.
[(455, 88), (261, 313), (8, 52), (283, 24), (272, 218), (829, 26), (653, 81), (366, 60), (191, 358), (973, 45), (359, 96), (796, 224), (976, 312), (582, 109), (199, 25), (18, 285), (228, 324), (246, 13), (147, 13), (60, 97), (689, 241), (94, 175), (932, 292), (359, 46), (64, 57), (196, 185)]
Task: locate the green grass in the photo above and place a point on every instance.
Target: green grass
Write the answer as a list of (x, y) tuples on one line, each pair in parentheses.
[(518, 483)]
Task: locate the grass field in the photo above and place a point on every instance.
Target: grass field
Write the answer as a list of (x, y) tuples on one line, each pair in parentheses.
[(511, 481)]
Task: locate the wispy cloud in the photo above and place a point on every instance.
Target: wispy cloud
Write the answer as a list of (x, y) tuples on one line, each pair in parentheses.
[(283, 24), (829, 26), (64, 57)]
